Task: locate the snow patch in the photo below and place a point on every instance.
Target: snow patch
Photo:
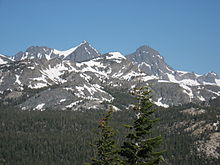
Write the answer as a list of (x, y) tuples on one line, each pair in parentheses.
[(41, 82), (217, 81), (147, 78), (185, 82), (65, 53), (208, 83), (1, 55), (37, 85), (39, 107), (216, 125), (43, 78), (144, 63), (189, 82), (1, 80), (115, 55), (201, 98), (91, 89), (117, 75), (133, 86), (55, 73), (131, 75), (187, 90), (73, 104), (163, 81), (170, 70), (86, 77), (31, 67), (2, 61), (216, 93), (62, 100), (181, 72), (115, 108), (160, 57), (69, 89), (159, 103), (93, 66), (87, 50), (172, 78), (17, 80), (80, 90)]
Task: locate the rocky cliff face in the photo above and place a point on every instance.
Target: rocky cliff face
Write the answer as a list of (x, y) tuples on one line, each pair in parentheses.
[(42, 78)]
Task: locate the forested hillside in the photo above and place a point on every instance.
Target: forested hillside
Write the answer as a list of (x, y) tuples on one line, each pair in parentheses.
[(64, 137)]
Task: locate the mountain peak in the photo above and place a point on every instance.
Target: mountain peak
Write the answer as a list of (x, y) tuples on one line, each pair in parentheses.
[(212, 74), (84, 51), (33, 52), (84, 42), (37, 48), (147, 49), (150, 61), (145, 54)]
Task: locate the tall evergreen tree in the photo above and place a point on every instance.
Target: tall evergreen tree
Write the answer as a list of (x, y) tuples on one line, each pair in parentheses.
[(106, 153), (139, 148)]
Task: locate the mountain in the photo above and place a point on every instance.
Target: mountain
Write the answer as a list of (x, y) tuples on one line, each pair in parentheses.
[(151, 62), (185, 86), (42, 78), (82, 79), (82, 52)]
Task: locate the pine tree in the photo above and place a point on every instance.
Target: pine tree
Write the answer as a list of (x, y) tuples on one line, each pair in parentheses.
[(106, 153), (139, 146)]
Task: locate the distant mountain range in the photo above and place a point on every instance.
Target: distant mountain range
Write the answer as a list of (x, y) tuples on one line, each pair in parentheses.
[(43, 77)]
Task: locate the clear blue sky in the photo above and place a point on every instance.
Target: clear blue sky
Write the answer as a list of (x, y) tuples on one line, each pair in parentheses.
[(186, 32)]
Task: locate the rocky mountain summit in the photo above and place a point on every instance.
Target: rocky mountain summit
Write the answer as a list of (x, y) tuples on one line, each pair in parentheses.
[(43, 77), (82, 52)]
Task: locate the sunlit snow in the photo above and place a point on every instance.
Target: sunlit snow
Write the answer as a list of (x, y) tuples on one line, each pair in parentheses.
[(2, 61), (39, 106), (144, 63), (73, 104), (17, 80), (62, 100), (65, 53), (55, 73), (147, 78), (201, 98), (115, 55), (217, 81), (159, 103), (187, 90), (37, 85)]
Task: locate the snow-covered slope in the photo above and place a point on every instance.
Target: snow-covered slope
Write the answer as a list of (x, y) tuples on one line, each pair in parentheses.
[(64, 53), (4, 59), (79, 77)]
